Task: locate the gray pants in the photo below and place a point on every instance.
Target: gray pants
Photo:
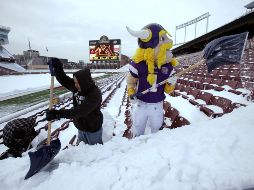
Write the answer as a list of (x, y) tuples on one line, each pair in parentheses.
[(90, 138)]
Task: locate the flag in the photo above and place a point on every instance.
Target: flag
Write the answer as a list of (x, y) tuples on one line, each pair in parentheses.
[(225, 50)]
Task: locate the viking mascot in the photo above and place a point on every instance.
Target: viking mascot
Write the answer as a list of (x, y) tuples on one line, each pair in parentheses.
[(152, 63)]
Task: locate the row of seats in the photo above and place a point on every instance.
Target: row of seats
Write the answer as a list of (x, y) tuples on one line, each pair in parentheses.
[(230, 77), (204, 83), (195, 95), (172, 117)]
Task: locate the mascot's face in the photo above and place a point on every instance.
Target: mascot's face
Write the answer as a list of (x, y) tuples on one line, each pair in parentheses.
[(162, 50), (154, 48), (154, 36)]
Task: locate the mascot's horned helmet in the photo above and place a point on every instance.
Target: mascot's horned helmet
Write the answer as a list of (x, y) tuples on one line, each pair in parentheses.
[(148, 36)]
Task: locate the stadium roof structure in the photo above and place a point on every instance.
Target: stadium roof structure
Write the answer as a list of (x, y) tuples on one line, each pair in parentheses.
[(5, 54), (239, 25), (12, 66), (250, 5)]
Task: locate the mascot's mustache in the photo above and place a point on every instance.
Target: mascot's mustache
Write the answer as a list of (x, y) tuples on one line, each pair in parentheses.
[(162, 56)]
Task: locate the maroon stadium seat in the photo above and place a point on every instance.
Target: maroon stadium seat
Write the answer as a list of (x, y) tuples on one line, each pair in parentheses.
[(231, 83), (213, 73), (222, 73), (171, 113), (178, 86), (235, 66), (205, 84), (233, 72), (128, 134), (179, 122), (194, 92), (186, 89), (247, 67), (205, 96), (216, 81), (128, 122), (166, 105), (221, 102)]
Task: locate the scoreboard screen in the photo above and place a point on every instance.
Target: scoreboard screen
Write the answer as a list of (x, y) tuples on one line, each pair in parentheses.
[(104, 49)]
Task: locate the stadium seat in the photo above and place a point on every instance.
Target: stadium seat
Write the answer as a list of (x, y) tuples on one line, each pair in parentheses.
[(222, 73), (233, 72), (193, 92), (177, 88), (231, 83), (169, 116), (216, 81), (235, 91), (186, 89), (213, 73), (128, 134), (221, 102), (205, 85), (247, 67), (128, 122), (235, 66), (205, 96), (127, 113), (179, 122), (166, 105)]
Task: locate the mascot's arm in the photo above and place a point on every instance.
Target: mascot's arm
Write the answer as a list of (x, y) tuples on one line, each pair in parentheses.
[(170, 88), (131, 84)]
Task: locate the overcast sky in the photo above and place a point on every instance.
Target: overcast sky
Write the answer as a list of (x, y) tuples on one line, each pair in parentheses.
[(66, 26)]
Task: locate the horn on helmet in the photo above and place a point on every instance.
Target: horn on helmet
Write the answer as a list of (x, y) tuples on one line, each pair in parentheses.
[(142, 34)]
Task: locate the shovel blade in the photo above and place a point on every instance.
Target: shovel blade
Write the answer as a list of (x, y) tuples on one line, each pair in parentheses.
[(41, 157)]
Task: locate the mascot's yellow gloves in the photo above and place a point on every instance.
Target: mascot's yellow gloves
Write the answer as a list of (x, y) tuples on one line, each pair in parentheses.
[(169, 88), (131, 91), (174, 62)]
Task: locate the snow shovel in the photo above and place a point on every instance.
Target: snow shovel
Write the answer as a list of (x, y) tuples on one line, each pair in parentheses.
[(45, 153), (225, 50)]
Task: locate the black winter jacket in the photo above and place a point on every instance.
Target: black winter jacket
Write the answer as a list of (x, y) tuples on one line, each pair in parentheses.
[(86, 112)]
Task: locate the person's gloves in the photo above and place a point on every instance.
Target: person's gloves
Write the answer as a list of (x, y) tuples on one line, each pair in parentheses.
[(55, 63), (131, 91), (172, 80), (53, 114)]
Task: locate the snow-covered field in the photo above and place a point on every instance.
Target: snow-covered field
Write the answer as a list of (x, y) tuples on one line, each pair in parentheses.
[(208, 154), (24, 84)]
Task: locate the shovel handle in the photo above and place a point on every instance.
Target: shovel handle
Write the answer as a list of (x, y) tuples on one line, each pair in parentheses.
[(177, 75), (190, 68), (50, 107)]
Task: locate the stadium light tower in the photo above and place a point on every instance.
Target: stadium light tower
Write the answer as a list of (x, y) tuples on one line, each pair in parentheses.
[(4, 35), (194, 21)]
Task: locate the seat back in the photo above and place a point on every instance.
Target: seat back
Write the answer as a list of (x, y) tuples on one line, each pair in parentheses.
[(179, 122), (171, 113), (216, 81), (166, 105), (194, 92), (204, 96), (224, 103), (231, 83)]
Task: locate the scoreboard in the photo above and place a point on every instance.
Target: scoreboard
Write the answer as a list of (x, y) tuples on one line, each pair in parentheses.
[(104, 49)]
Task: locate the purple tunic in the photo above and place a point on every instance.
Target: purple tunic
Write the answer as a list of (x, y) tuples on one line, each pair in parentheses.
[(140, 71)]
